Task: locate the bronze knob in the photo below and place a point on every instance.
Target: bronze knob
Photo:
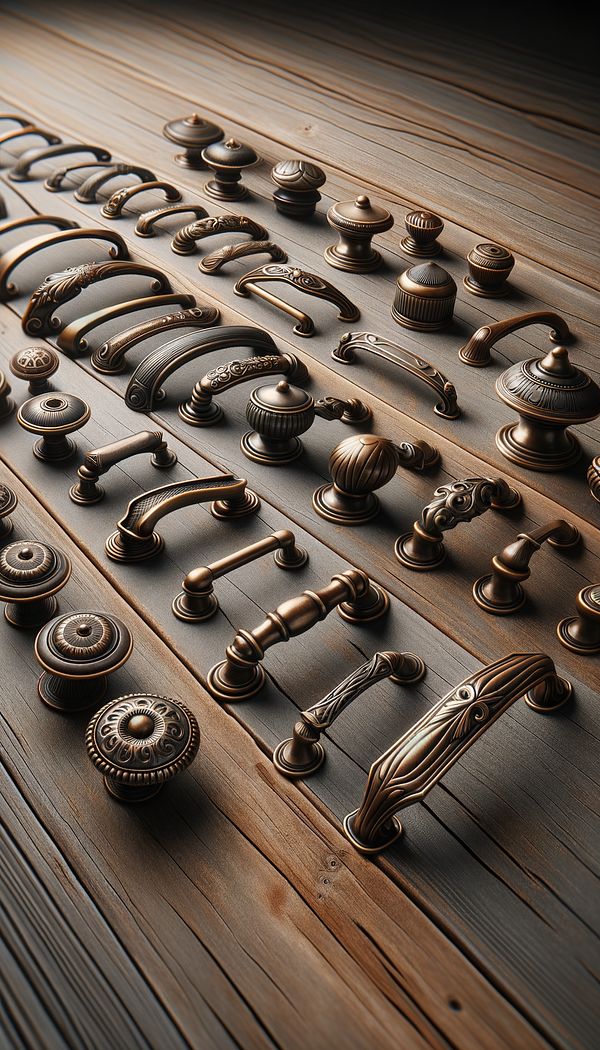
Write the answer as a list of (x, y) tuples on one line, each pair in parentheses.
[(489, 268), (548, 394), (581, 633), (35, 364), (593, 478), (425, 297), (8, 502), (31, 574), (53, 416), (298, 183), (227, 160), (193, 134), (356, 222), (77, 652), (140, 741), (423, 230), (7, 405)]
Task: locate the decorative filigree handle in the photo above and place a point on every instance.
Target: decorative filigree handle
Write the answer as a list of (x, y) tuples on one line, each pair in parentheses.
[(144, 227), (477, 352), (202, 411), (88, 191), (20, 172), (184, 241), (113, 209), (214, 262), (16, 255), (303, 282), (72, 339), (100, 460), (109, 357)]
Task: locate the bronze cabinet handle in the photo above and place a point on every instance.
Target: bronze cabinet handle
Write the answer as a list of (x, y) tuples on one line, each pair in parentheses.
[(197, 602), (423, 547), (7, 405), (143, 387), (241, 674), (303, 753), (72, 339), (54, 182), (214, 262), (593, 478), (88, 191), (477, 351), (31, 575), (77, 651), (113, 209), (100, 460), (501, 592), (20, 172), (135, 539), (345, 353), (8, 503), (62, 287), (303, 282), (29, 129), (16, 255), (57, 221), (144, 227), (581, 633), (17, 118), (184, 241), (109, 357), (408, 770), (2, 207), (202, 411)]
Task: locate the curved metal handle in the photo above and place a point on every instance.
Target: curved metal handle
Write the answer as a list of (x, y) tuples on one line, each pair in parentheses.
[(349, 410), (214, 262), (100, 460), (39, 220), (113, 208), (477, 351), (201, 410), (144, 227), (54, 182), (309, 283), (345, 353), (87, 192), (143, 386), (184, 241), (2, 207), (18, 119), (408, 770), (72, 338), (20, 172), (500, 592), (110, 356), (29, 129), (15, 256)]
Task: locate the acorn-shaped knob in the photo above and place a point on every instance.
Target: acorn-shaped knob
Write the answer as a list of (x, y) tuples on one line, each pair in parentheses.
[(8, 502), (581, 633), (31, 574), (593, 478), (227, 159), (358, 465), (35, 364), (7, 405), (278, 415), (423, 230), (140, 741), (489, 268), (297, 184), (356, 222), (425, 297), (77, 652), (54, 416), (194, 134)]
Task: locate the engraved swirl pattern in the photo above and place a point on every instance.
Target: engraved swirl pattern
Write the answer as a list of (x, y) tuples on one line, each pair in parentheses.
[(170, 747)]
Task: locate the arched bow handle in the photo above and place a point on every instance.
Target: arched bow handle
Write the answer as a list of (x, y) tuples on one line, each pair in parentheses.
[(20, 252), (21, 170), (309, 283)]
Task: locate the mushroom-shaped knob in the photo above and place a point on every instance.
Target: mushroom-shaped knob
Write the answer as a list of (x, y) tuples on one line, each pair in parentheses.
[(489, 268), (423, 230), (139, 742), (77, 652), (8, 502), (593, 478), (194, 134), (548, 394), (356, 222), (425, 297), (53, 416), (227, 159), (7, 405), (35, 364), (298, 183), (581, 633), (31, 574), (278, 415)]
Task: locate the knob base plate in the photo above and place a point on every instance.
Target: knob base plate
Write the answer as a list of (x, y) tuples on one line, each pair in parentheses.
[(486, 293), (576, 645), (292, 771), (388, 835), (494, 607), (537, 459)]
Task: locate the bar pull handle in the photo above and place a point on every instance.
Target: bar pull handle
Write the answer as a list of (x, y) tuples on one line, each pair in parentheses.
[(100, 460)]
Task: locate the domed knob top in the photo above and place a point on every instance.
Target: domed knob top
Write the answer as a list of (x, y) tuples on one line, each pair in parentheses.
[(85, 645), (193, 132), (55, 412), (359, 215), (425, 223), (31, 569), (298, 175), (34, 362), (282, 397), (362, 463), (552, 388), (229, 154), (491, 257), (428, 280)]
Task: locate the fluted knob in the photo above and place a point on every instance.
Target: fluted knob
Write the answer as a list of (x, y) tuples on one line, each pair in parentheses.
[(227, 160), (489, 268), (194, 134), (356, 222), (8, 502), (7, 405), (425, 297), (77, 652), (54, 416), (35, 364), (593, 478), (278, 414), (423, 230), (298, 183), (581, 633), (31, 574)]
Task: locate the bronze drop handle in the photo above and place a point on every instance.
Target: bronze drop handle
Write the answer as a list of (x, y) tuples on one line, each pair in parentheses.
[(202, 411), (87, 192), (100, 460), (20, 172), (477, 351), (73, 338), (20, 252), (309, 283)]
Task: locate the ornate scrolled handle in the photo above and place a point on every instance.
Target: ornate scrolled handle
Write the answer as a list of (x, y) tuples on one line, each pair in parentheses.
[(202, 411), (113, 209), (184, 241), (214, 262), (58, 221), (20, 172), (109, 357), (408, 770), (29, 129), (100, 460), (309, 283), (16, 255), (477, 351), (72, 339), (144, 227), (88, 191)]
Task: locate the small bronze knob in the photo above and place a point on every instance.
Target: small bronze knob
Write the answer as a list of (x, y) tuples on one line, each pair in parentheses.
[(227, 160), (77, 652), (8, 502), (581, 633), (593, 478), (140, 741), (194, 134), (489, 268), (298, 182), (425, 297), (423, 230), (31, 574), (7, 405), (54, 416), (356, 222), (35, 364)]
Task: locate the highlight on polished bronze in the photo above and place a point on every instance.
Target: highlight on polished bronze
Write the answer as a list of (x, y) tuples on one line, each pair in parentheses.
[(193, 134), (20, 252), (202, 411), (113, 209), (109, 357), (31, 575), (2, 207), (88, 191), (490, 266), (303, 753), (423, 229), (593, 478), (214, 262), (144, 227), (35, 364), (356, 223), (477, 351), (227, 160), (407, 771), (54, 182), (57, 221), (100, 460), (16, 118), (425, 297), (581, 633), (241, 674), (308, 283), (25, 131), (184, 241), (196, 602), (72, 340), (7, 405), (77, 651), (8, 503), (21, 171), (54, 416), (298, 183)]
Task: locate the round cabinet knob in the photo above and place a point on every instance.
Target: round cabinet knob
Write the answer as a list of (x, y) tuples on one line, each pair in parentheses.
[(8, 502), (77, 652), (581, 633), (593, 478), (425, 297), (358, 465), (298, 182), (423, 230), (489, 268), (548, 394), (31, 574), (227, 159), (194, 134), (139, 742), (356, 222), (35, 364), (7, 405), (53, 416), (278, 414)]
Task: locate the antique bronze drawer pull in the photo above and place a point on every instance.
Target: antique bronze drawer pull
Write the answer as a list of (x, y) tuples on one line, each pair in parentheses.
[(88, 191), (35, 364), (54, 416), (113, 209), (144, 227), (184, 241), (20, 252), (21, 172), (31, 574), (197, 601), (227, 160), (581, 633), (298, 183), (490, 266), (423, 228), (345, 353), (143, 388), (39, 220), (303, 753), (8, 503), (54, 182), (29, 129), (135, 538), (500, 592), (593, 478), (305, 282), (359, 465), (214, 262), (72, 339), (100, 460), (7, 405), (241, 674), (110, 356), (193, 134), (408, 770), (77, 652), (62, 287), (423, 547), (356, 223), (17, 118), (202, 411), (477, 351)]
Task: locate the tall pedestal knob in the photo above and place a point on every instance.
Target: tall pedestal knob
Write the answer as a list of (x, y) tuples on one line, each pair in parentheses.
[(35, 364), (31, 574), (489, 268), (581, 633), (298, 183), (8, 502), (7, 405), (593, 478), (227, 159), (54, 416), (194, 134), (425, 297), (77, 652), (278, 415), (423, 230), (356, 222)]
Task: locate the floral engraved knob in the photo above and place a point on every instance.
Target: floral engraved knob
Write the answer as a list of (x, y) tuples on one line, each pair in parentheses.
[(35, 364), (31, 574), (53, 416), (77, 652), (8, 502)]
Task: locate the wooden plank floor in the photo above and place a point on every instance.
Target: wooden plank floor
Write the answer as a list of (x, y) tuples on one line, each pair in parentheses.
[(232, 911)]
